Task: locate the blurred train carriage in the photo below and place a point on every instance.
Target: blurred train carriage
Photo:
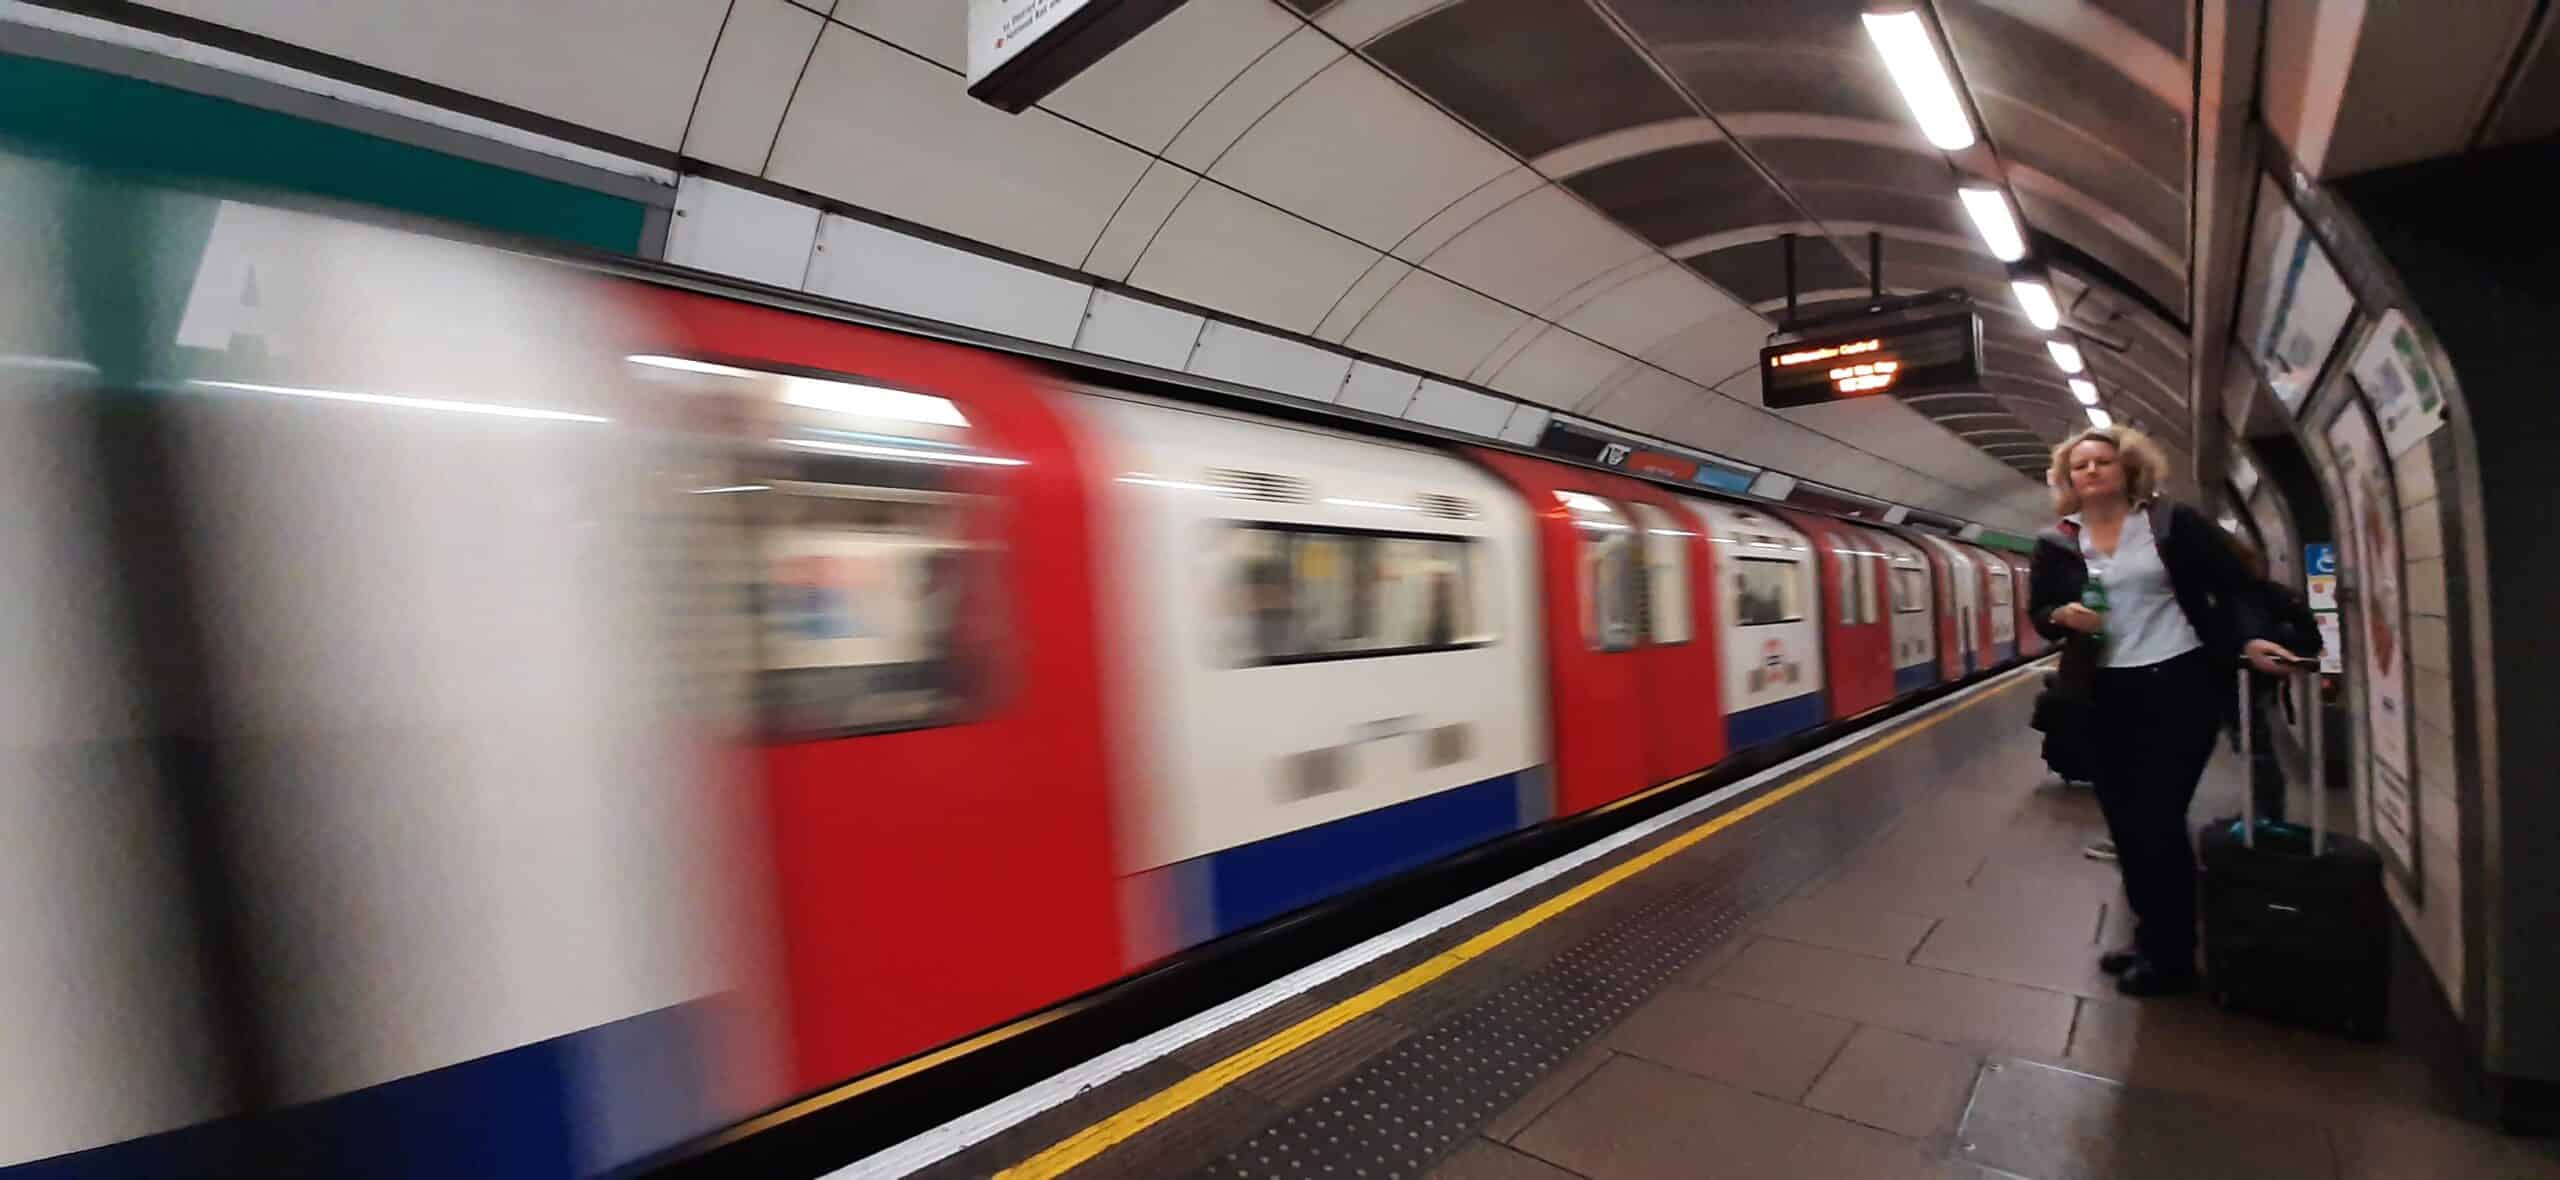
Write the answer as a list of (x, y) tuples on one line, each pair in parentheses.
[(565, 712)]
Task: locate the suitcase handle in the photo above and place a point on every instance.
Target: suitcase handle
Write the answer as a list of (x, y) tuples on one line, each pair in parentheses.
[(2248, 763)]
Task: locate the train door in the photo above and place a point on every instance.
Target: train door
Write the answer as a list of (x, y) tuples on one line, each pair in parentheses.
[(917, 541), (1908, 597)]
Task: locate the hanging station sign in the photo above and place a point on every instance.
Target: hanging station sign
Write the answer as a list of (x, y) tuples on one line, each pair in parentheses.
[(1021, 50), (1563, 438), (1928, 355)]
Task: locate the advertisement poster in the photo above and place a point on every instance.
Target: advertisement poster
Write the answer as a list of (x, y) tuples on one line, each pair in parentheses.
[(2332, 661), (2294, 305), (2372, 554), (2399, 384)]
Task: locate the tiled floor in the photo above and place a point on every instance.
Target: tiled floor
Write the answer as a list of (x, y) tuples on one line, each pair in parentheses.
[(1952, 962)]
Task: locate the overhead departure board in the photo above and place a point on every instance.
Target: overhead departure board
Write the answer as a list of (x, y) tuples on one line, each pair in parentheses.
[(1903, 357)]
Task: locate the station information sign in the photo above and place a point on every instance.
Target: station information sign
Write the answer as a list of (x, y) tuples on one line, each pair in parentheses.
[(1022, 50), (1929, 355)]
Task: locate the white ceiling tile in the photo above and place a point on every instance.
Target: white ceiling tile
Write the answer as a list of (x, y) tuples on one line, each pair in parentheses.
[(1381, 277), (938, 29), (1358, 21), (1145, 90), (1436, 325), (1252, 95), (1354, 150), (1647, 400), (1533, 250), (1715, 351), (762, 48), (1265, 361), (604, 64), (877, 267), (1557, 369), (1466, 211), (1600, 284), (1451, 407), (1225, 250), (1646, 309), (1136, 330), (1379, 389), (878, 128), (733, 231), (1135, 223), (1522, 333)]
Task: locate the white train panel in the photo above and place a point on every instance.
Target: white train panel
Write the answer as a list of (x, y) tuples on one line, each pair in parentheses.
[(1320, 627), (1768, 602)]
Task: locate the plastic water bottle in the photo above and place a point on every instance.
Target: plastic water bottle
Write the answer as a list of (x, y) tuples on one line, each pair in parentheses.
[(2094, 596)]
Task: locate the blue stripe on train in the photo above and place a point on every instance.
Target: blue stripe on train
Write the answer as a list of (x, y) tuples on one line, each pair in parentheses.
[(528, 1112), (1265, 879), (1915, 677), (1763, 723)]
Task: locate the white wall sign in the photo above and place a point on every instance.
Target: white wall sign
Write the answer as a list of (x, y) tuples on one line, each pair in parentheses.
[(2372, 551), (2397, 381), (2331, 661), (2294, 305), (999, 30)]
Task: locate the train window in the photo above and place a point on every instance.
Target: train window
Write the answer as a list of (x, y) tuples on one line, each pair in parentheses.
[(1910, 590), (1870, 571), (872, 609), (1848, 567), (1666, 575), (2000, 588), (1312, 594), (1765, 590), (1605, 570)]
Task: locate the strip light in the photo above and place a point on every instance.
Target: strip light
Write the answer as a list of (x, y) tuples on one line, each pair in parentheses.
[(684, 364), (1378, 504), (870, 401), (2085, 389), (2099, 418), (2036, 300), (1911, 56), (2065, 354), (406, 403), (900, 454), (1989, 208)]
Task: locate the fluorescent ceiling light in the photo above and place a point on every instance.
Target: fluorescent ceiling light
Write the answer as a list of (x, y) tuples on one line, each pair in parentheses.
[(689, 365), (1911, 56), (2036, 300), (406, 403), (901, 454), (1989, 208), (1379, 504), (2065, 355), (2085, 389), (870, 401), (2099, 418)]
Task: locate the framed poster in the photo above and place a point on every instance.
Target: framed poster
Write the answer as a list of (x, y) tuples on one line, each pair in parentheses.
[(2392, 371), (2293, 305), (2370, 555)]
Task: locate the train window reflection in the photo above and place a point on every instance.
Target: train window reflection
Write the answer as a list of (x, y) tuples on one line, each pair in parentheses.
[(1870, 571), (1666, 575), (1311, 594), (1910, 590), (1606, 571), (1765, 591), (872, 609)]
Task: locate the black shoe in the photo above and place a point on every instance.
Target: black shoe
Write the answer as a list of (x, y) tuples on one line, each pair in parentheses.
[(2119, 962), (2143, 979)]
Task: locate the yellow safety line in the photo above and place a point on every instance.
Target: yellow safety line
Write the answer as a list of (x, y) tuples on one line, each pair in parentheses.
[(1164, 1104)]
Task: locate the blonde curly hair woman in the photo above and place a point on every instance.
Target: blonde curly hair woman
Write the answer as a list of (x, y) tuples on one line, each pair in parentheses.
[(2152, 610)]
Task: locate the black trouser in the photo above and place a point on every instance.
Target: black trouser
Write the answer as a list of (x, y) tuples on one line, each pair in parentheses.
[(2155, 732)]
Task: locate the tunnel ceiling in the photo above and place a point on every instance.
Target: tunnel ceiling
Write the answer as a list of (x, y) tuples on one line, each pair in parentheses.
[(1571, 202), (1709, 129)]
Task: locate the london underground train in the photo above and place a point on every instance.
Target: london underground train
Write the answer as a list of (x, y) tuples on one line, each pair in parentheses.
[(603, 708)]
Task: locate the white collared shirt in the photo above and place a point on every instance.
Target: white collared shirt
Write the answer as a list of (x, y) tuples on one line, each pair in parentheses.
[(2144, 622)]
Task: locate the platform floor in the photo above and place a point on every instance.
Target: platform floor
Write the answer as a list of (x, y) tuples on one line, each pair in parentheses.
[(1889, 972)]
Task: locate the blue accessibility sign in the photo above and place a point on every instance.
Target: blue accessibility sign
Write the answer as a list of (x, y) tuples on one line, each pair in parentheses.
[(2321, 558)]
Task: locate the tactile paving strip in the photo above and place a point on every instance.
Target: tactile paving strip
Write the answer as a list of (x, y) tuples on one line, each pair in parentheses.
[(1399, 1114)]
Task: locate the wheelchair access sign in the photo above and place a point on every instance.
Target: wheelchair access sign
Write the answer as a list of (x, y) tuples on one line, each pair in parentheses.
[(2320, 582)]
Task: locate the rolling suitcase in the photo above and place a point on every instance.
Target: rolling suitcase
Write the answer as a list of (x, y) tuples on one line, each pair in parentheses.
[(2296, 926)]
